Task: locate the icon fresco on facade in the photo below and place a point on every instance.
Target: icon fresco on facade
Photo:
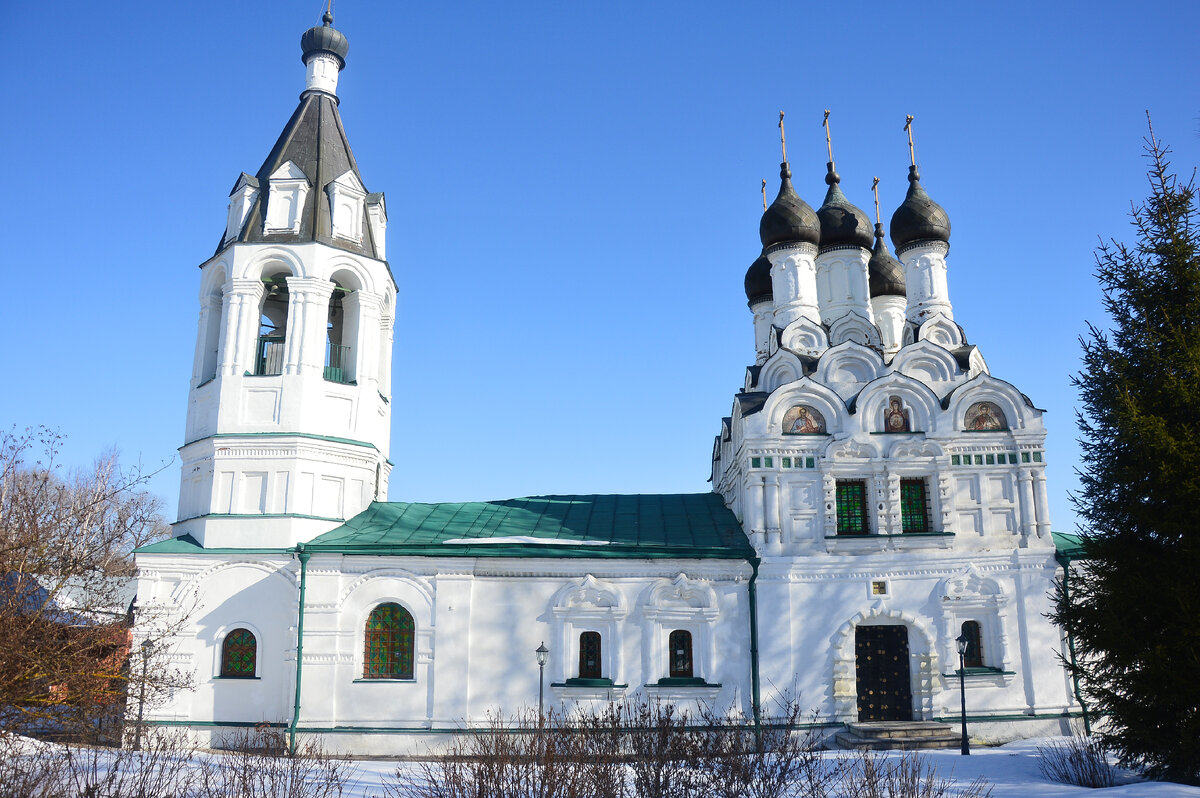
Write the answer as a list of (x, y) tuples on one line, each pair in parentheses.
[(803, 420), (985, 417), (895, 417)]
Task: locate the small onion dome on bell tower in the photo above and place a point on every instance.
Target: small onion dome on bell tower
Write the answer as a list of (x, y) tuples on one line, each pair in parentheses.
[(789, 219), (842, 224), (918, 218), (885, 273), (758, 281), (325, 38)]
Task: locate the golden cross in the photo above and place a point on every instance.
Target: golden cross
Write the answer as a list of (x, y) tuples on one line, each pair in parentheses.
[(764, 193), (875, 188), (782, 136), (828, 140), (908, 120)]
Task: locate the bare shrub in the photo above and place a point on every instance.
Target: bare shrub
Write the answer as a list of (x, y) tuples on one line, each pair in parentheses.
[(160, 769), (780, 759), (661, 746), (1079, 760), (870, 775), (26, 768), (257, 766)]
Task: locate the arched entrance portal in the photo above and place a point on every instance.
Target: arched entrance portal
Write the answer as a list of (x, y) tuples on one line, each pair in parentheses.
[(882, 677)]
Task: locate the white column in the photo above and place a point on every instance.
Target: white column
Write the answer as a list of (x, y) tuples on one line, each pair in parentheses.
[(794, 284), (754, 510), (308, 315), (243, 314), (1043, 503), (771, 506), (1028, 514), (764, 312), (365, 308), (925, 281), (845, 286)]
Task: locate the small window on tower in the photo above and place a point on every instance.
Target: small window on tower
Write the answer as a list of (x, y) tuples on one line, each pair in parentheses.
[(346, 198), (285, 199)]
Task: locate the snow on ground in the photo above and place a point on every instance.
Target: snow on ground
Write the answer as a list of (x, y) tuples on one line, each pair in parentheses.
[(1011, 771)]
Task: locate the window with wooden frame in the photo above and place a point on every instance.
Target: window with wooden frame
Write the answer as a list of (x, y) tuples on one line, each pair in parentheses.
[(239, 655), (679, 645), (589, 656), (852, 507), (974, 635), (914, 506), (388, 643)]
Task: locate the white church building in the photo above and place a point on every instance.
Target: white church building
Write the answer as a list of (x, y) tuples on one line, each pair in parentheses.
[(876, 495)]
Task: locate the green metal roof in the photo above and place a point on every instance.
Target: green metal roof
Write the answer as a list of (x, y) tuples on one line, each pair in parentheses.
[(688, 525), (1068, 547)]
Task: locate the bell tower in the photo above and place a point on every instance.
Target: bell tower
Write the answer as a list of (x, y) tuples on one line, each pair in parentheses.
[(289, 408)]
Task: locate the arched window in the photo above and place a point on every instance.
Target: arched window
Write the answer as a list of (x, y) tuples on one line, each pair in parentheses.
[(272, 334), (680, 650), (589, 655), (239, 655), (341, 332), (388, 646), (974, 656)]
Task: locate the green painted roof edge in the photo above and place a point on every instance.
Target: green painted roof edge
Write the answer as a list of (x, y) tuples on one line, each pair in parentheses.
[(186, 544), (310, 435), (1069, 547), (532, 550)]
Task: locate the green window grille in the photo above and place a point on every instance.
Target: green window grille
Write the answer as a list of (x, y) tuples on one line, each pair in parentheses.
[(974, 656), (787, 462), (1037, 457), (239, 654), (809, 462), (680, 645), (914, 506), (955, 460), (852, 507), (268, 358), (1024, 457), (337, 362), (589, 656), (389, 643)]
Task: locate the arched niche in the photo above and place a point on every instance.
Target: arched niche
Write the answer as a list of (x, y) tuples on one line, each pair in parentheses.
[(847, 367), (809, 393), (928, 362), (875, 405), (987, 389), (782, 368)]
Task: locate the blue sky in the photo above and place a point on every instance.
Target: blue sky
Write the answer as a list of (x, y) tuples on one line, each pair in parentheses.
[(573, 199)]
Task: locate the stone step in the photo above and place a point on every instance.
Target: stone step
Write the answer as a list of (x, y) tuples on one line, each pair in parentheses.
[(904, 735), (851, 741)]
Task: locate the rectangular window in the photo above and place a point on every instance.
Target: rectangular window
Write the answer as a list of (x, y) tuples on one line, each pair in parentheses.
[(787, 462), (914, 506), (809, 462), (1024, 457), (768, 463), (991, 459), (978, 459), (589, 655), (955, 460), (1012, 458), (852, 507), (1037, 457), (756, 462)]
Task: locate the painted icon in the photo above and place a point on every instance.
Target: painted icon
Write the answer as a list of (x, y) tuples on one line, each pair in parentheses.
[(895, 417), (985, 416), (803, 420)]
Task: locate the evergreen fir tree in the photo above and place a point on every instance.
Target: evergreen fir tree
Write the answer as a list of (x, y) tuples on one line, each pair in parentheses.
[(1133, 607)]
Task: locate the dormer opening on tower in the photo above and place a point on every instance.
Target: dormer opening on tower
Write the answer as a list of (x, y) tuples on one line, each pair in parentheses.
[(346, 196), (285, 200), (341, 329), (272, 333)]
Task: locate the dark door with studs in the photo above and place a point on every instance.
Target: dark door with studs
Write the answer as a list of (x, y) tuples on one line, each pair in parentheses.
[(881, 662)]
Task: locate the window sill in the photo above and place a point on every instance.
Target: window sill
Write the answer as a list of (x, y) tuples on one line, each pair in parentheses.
[(588, 689), (579, 682), (677, 681), (385, 681), (237, 678)]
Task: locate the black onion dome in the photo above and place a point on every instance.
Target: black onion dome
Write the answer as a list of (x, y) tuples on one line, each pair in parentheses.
[(884, 273), (758, 280), (790, 219), (325, 38), (918, 218), (842, 224)]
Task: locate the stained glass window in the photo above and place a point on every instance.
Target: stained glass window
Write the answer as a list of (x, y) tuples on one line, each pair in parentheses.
[(852, 507), (914, 506), (974, 656), (389, 643), (680, 645), (239, 654), (589, 655)]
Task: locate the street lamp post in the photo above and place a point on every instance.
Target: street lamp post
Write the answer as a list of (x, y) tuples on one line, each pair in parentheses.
[(541, 653), (963, 642), (137, 733)]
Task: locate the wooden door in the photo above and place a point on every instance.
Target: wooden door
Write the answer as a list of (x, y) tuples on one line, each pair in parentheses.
[(882, 673)]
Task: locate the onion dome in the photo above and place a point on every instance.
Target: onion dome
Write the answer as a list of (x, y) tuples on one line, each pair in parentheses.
[(918, 218), (758, 281), (325, 39), (842, 224), (789, 220), (885, 273)]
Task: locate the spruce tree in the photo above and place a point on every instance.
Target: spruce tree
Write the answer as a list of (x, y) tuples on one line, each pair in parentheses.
[(1133, 607)]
